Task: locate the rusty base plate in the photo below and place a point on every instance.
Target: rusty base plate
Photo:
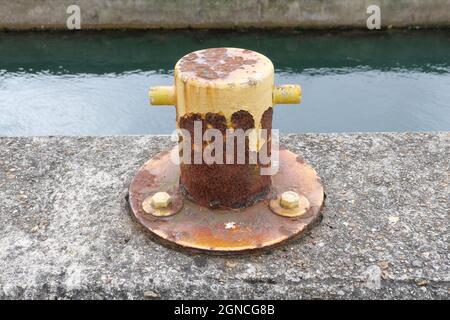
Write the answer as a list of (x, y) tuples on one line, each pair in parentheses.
[(231, 231)]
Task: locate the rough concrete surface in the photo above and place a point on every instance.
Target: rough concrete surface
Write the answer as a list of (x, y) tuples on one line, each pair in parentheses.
[(43, 14), (66, 232)]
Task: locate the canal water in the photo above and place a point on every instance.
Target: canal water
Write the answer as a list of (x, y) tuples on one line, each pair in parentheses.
[(96, 83)]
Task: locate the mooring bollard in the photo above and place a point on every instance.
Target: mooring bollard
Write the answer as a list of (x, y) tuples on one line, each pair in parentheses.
[(241, 198)]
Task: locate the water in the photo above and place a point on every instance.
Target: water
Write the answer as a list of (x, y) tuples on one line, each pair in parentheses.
[(96, 83)]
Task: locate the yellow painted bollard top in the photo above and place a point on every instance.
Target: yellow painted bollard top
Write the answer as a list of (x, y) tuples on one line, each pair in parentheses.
[(241, 79)]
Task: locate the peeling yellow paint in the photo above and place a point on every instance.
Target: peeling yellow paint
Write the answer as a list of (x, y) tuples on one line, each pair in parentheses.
[(225, 80)]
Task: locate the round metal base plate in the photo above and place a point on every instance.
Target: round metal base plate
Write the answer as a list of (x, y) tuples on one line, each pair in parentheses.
[(233, 231)]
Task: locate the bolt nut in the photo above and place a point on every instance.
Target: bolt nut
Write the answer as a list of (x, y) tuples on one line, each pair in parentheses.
[(290, 204), (160, 200), (289, 200)]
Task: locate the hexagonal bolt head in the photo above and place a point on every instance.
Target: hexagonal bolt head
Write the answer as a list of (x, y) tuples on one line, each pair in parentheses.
[(160, 200), (289, 200)]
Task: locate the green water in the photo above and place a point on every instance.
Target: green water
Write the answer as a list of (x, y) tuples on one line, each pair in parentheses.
[(96, 83)]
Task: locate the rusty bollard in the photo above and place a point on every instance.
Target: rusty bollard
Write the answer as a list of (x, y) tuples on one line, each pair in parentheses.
[(227, 205)]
